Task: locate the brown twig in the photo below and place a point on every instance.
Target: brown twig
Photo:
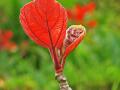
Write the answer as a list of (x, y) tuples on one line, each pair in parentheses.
[(63, 83)]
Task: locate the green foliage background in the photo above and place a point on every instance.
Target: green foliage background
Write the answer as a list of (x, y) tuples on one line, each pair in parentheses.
[(94, 65)]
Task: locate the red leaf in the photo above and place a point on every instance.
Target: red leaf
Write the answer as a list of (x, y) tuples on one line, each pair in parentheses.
[(44, 21)]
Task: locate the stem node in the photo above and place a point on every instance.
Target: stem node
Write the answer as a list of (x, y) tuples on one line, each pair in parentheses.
[(63, 83)]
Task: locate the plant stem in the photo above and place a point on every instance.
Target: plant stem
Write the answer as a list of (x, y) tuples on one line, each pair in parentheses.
[(63, 83)]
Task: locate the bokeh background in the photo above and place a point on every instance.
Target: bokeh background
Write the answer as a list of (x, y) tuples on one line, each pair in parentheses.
[(94, 65)]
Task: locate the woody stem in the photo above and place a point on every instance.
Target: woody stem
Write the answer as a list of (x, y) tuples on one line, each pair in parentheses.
[(63, 83)]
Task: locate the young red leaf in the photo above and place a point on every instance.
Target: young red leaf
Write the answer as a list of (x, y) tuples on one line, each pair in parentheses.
[(44, 21)]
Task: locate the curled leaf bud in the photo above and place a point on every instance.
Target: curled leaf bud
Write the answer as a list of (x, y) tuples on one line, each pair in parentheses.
[(73, 33)]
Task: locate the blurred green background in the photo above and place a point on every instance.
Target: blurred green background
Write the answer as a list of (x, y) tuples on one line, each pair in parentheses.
[(94, 65)]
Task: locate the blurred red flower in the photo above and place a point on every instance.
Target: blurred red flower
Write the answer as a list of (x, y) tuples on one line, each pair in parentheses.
[(78, 13), (92, 23), (5, 41)]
